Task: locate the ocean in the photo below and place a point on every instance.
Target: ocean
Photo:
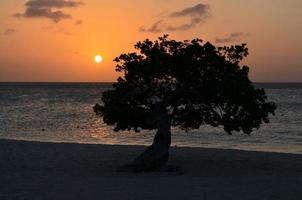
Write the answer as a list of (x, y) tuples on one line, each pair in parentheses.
[(62, 112)]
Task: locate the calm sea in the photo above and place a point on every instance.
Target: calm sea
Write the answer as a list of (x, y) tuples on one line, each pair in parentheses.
[(55, 112)]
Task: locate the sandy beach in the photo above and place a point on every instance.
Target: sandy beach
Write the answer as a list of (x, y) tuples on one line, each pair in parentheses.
[(33, 170)]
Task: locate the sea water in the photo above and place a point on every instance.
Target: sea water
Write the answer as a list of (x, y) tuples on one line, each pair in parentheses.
[(62, 112)]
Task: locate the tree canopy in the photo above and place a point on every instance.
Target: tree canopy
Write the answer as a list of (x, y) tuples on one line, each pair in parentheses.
[(193, 82)]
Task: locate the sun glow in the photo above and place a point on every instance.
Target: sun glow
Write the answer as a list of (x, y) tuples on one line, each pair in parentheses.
[(98, 59)]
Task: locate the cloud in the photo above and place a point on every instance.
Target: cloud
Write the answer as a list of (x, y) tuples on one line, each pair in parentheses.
[(78, 22), (196, 14), (37, 12), (200, 10), (44, 9), (184, 27), (10, 31), (155, 28), (53, 3), (233, 37)]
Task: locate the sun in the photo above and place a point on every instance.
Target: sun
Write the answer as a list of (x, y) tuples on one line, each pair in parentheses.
[(98, 59)]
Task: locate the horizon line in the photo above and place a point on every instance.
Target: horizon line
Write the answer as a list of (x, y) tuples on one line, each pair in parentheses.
[(110, 82)]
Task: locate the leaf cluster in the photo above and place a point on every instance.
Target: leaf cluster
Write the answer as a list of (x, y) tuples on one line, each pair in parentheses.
[(194, 82)]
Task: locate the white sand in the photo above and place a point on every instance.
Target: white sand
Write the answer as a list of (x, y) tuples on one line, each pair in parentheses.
[(31, 170)]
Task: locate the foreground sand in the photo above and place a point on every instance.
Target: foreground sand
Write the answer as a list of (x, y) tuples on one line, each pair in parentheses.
[(31, 170)]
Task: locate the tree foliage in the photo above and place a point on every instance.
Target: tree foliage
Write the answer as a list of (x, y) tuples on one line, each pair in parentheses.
[(193, 82)]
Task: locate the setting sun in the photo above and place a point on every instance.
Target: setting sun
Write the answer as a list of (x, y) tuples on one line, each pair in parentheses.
[(98, 59)]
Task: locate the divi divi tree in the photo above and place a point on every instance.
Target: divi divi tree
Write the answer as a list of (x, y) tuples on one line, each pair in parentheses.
[(184, 84)]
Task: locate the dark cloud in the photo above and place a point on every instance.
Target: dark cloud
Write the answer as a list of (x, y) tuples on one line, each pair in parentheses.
[(37, 12), (155, 28), (9, 31), (78, 22), (233, 37), (184, 27), (44, 9), (53, 3), (196, 14), (200, 10)]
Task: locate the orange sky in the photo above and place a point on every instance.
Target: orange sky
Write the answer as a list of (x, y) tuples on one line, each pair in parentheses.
[(51, 48)]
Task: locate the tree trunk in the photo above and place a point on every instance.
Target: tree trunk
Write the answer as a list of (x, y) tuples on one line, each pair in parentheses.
[(156, 155)]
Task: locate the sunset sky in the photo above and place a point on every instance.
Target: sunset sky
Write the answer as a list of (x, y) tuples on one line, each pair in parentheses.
[(57, 40)]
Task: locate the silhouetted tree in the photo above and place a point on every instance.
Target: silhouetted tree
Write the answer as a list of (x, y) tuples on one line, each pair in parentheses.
[(184, 84)]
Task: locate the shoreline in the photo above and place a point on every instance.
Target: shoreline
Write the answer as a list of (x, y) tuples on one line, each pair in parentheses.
[(208, 146), (41, 170)]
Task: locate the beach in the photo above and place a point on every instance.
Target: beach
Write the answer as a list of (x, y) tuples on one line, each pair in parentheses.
[(35, 170)]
